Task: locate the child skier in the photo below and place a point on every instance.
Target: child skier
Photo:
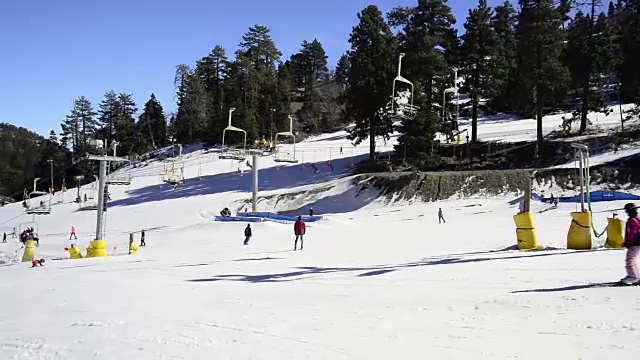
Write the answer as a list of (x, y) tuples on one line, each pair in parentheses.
[(247, 234), (299, 229), (632, 243), (73, 233), (36, 263)]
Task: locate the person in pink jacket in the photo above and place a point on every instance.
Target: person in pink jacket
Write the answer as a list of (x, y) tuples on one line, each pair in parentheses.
[(73, 233), (299, 228), (632, 243)]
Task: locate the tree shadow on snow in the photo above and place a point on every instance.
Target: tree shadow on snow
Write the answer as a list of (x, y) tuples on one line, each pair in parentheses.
[(273, 178), (566, 288), (305, 272)]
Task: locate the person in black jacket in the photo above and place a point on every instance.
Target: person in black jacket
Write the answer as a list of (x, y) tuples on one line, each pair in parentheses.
[(247, 234)]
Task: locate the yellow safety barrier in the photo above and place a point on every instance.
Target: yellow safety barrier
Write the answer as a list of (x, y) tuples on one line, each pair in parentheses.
[(526, 231), (29, 251), (97, 248), (615, 233), (133, 248), (74, 253), (579, 235)]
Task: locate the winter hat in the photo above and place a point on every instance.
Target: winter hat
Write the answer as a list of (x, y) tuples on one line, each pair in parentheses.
[(630, 208)]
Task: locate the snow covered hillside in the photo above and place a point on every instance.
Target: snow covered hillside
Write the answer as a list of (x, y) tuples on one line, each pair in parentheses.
[(373, 281)]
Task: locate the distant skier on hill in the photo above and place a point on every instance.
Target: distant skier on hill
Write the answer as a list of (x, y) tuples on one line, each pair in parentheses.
[(440, 217), (632, 243), (299, 228), (247, 234)]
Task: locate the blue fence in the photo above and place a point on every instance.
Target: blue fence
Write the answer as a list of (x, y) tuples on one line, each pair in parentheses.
[(595, 196), (238, 218), (274, 216)]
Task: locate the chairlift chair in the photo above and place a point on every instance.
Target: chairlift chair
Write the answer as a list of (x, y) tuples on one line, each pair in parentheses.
[(402, 109), (173, 175), (286, 156), (42, 208), (88, 199), (121, 177), (233, 154)]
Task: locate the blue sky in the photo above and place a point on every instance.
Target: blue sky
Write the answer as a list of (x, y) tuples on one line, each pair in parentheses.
[(51, 52)]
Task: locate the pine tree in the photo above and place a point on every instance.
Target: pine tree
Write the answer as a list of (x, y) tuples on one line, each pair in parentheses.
[(80, 125), (629, 70), (342, 71), (125, 124), (152, 124), (282, 107), (213, 71), (372, 59), (541, 75), (480, 43), (190, 123), (418, 134), (309, 66), (256, 67), (504, 24), (108, 112)]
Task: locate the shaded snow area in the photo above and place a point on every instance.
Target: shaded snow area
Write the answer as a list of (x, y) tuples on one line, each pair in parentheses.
[(374, 281)]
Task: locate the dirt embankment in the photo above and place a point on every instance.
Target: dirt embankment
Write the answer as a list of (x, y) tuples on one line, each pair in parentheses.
[(433, 186)]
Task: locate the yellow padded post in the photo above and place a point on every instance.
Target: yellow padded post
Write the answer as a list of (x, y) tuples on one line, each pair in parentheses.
[(133, 248), (97, 248), (29, 251), (74, 253), (525, 231), (615, 233), (579, 235)]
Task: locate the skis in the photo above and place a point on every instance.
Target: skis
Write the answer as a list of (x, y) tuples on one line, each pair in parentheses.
[(613, 284)]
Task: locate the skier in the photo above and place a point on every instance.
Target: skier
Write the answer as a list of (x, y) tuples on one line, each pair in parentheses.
[(440, 217), (340, 150), (311, 212), (247, 234), (4, 237), (14, 234), (142, 243), (555, 202), (73, 233), (36, 263), (315, 168), (632, 243), (299, 228)]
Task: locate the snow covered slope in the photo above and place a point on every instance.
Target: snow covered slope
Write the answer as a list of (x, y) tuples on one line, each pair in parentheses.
[(373, 281)]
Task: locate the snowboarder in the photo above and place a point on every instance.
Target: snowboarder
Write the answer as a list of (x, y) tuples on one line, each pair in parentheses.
[(4, 237), (440, 217), (340, 150), (632, 243), (247, 234), (311, 212), (299, 228), (36, 263), (142, 243), (73, 233)]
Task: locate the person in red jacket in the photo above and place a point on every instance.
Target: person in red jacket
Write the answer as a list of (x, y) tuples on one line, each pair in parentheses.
[(632, 243), (299, 228)]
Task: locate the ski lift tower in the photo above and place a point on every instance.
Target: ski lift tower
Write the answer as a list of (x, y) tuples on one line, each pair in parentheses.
[(99, 244), (401, 106), (233, 155), (285, 156)]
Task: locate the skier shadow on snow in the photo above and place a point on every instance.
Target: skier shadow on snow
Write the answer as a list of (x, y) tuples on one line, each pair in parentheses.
[(307, 272), (273, 178)]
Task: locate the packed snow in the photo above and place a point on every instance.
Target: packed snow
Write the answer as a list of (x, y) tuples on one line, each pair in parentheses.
[(374, 281)]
